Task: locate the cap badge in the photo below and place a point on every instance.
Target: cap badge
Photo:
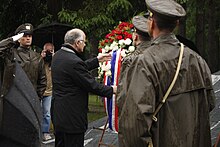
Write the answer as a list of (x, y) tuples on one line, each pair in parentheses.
[(28, 27)]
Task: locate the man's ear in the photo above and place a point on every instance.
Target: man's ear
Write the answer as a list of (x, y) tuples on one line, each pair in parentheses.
[(151, 27), (151, 23), (77, 43)]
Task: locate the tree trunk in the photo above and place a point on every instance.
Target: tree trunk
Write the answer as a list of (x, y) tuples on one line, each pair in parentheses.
[(212, 48), (182, 24), (200, 27), (93, 53)]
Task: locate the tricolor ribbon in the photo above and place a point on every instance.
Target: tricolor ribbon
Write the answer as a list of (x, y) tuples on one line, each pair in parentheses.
[(110, 104)]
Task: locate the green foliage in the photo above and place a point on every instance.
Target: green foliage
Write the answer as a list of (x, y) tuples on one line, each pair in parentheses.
[(96, 108), (67, 16), (96, 17), (47, 19), (121, 7), (97, 14), (182, 1), (16, 12)]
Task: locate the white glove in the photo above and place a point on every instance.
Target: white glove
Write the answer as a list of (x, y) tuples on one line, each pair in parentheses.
[(18, 36)]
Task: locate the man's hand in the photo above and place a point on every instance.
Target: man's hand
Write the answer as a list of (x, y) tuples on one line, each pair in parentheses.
[(104, 57), (18, 36), (114, 89), (43, 53)]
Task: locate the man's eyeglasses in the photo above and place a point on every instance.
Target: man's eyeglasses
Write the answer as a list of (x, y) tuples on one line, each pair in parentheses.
[(83, 41)]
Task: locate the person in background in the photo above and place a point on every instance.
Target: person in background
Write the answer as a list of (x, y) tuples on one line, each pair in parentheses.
[(30, 61), (182, 119), (47, 53), (72, 83)]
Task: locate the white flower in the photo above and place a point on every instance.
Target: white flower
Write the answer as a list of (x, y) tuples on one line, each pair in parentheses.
[(107, 48), (121, 42), (127, 41), (115, 43), (131, 48), (101, 72), (114, 46), (103, 67), (106, 67), (108, 73), (123, 54), (103, 50)]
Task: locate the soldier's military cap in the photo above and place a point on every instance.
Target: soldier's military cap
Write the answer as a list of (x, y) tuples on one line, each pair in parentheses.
[(26, 28), (140, 23), (168, 9)]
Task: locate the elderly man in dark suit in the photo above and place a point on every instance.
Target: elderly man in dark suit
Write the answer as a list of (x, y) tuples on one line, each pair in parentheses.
[(72, 83)]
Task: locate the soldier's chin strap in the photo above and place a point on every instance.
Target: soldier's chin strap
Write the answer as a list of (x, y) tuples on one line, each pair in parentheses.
[(171, 85)]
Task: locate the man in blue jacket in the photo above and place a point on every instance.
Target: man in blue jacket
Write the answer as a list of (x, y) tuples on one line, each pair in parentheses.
[(72, 83)]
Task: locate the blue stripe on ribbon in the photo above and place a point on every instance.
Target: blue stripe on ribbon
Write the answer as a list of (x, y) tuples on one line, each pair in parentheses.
[(110, 81)]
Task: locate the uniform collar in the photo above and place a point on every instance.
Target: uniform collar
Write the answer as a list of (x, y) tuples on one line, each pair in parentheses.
[(164, 38), (24, 49), (142, 46)]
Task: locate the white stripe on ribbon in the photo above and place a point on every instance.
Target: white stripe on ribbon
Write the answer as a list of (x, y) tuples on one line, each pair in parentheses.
[(118, 53)]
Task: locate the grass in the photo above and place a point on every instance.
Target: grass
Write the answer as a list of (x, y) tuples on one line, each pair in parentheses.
[(96, 108)]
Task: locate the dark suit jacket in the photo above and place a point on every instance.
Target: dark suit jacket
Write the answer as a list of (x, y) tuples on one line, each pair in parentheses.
[(71, 84)]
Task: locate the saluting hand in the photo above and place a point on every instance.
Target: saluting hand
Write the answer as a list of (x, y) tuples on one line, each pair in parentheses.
[(17, 37)]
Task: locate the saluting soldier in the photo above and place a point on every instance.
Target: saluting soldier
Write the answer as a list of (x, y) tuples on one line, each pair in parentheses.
[(20, 115), (180, 118)]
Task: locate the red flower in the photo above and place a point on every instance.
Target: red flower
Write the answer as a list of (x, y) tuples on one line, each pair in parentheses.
[(131, 25), (129, 36), (118, 32), (100, 50), (122, 31), (111, 40), (122, 25), (114, 32), (103, 43), (119, 37), (108, 36)]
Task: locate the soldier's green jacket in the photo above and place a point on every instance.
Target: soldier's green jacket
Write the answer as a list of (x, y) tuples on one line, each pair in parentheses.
[(123, 81), (31, 62), (183, 121)]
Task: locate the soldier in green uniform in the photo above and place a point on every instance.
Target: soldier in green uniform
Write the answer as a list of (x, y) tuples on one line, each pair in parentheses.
[(141, 41), (15, 130), (183, 120)]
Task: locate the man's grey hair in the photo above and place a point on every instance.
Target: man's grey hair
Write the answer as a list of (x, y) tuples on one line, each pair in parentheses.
[(48, 44), (73, 35)]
